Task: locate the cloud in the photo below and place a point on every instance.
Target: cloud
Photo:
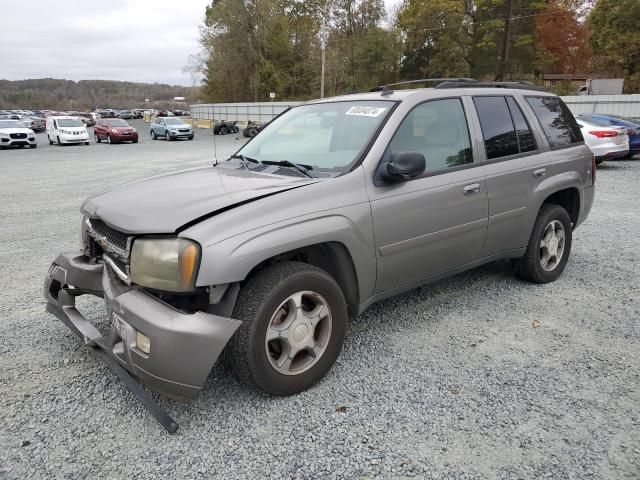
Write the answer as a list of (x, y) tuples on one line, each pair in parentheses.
[(145, 41)]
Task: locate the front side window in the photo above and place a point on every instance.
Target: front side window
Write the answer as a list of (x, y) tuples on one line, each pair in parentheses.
[(324, 136), (437, 129), (559, 126)]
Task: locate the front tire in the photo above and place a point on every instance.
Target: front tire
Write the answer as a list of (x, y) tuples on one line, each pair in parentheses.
[(549, 246), (58, 139), (33, 146), (153, 135), (97, 138), (294, 322)]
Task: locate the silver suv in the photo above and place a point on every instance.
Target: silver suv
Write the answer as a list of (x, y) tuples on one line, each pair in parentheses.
[(337, 204)]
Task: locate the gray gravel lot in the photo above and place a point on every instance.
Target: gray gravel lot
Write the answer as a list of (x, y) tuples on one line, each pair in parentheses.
[(477, 376)]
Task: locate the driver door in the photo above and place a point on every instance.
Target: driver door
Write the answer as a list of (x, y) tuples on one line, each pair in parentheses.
[(438, 221)]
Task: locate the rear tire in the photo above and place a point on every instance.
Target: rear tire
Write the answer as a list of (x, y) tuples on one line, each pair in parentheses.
[(266, 304), (223, 131), (552, 234)]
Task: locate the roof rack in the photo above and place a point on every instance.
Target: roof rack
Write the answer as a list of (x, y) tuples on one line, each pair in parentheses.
[(521, 85), (387, 90)]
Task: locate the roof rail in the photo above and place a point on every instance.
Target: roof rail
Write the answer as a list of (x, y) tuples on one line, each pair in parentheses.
[(521, 85), (387, 90)]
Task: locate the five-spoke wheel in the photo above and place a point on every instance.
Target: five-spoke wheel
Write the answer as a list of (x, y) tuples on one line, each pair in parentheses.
[(294, 320)]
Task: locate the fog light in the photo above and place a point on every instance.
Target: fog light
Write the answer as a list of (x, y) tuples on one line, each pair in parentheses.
[(143, 343)]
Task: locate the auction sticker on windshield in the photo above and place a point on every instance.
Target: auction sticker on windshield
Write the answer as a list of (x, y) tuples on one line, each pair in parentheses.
[(365, 111)]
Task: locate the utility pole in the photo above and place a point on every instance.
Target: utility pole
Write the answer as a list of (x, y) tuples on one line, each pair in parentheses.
[(324, 35), (505, 44)]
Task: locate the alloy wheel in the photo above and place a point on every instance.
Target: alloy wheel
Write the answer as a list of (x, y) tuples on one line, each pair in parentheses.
[(552, 245), (298, 333)]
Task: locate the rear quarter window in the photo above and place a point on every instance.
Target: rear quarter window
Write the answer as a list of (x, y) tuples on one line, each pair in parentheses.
[(557, 121)]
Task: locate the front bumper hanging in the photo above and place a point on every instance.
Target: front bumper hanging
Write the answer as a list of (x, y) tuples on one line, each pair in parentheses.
[(184, 347)]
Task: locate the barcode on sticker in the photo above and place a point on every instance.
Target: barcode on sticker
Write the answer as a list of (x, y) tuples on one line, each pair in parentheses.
[(365, 111)]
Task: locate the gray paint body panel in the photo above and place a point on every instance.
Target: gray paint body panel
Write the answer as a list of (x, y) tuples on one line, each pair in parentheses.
[(398, 236)]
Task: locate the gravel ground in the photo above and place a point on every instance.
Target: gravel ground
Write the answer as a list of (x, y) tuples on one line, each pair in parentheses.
[(477, 376)]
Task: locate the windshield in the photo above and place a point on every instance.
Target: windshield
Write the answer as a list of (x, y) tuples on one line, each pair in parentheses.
[(117, 123), (69, 122), (327, 136), (11, 124), (173, 121)]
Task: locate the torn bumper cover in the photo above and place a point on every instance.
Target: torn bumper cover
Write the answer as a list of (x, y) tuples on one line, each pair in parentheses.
[(183, 346)]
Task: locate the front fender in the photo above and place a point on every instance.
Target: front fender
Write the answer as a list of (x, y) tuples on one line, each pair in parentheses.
[(232, 259)]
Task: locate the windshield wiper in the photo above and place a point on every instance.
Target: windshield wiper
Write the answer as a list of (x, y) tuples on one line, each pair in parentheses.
[(246, 159), (304, 169)]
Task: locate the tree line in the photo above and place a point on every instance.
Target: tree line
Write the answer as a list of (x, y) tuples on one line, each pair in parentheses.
[(254, 47), (88, 94)]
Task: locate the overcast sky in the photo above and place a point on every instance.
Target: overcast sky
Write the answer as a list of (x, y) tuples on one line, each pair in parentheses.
[(133, 40)]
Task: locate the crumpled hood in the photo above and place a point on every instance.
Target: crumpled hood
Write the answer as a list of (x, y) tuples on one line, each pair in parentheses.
[(164, 203)]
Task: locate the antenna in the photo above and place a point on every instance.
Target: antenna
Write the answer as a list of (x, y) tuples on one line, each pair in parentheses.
[(213, 131)]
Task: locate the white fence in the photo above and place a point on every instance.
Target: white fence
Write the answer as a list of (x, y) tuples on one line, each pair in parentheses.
[(625, 105), (242, 112)]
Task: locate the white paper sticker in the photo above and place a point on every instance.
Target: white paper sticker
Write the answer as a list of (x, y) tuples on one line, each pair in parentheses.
[(365, 111)]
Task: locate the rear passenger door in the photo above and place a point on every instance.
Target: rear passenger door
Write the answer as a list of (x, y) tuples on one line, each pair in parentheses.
[(438, 221), (514, 165)]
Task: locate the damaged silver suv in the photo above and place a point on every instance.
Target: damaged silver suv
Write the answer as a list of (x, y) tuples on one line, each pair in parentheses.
[(337, 204)]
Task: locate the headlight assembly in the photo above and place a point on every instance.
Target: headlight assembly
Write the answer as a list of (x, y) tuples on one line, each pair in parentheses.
[(169, 264)]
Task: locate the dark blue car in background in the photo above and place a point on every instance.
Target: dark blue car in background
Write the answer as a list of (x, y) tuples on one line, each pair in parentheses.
[(632, 125)]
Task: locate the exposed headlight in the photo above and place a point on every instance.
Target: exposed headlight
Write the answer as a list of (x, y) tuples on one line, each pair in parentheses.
[(169, 264), (114, 130), (173, 131)]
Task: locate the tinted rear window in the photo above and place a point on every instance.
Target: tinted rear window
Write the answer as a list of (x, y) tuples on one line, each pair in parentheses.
[(500, 138), (525, 137), (559, 126)]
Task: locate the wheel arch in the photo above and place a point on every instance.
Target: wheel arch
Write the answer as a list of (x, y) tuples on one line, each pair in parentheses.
[(569, 199), (332, 257)]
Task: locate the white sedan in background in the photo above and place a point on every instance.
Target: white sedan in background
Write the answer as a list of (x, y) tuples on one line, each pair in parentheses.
[(605, 141), (14, 133)]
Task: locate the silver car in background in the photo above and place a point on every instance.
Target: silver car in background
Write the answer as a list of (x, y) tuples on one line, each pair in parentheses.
[(171, 128)]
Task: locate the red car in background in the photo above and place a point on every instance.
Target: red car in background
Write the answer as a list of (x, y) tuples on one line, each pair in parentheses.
[(114, 130)]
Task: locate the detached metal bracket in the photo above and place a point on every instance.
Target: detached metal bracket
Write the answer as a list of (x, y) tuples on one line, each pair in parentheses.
[(129, 381)]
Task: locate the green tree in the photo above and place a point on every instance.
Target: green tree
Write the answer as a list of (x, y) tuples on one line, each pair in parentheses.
[(614, 36)]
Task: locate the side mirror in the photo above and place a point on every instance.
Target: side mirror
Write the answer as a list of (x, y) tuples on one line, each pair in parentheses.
[(403, 166)]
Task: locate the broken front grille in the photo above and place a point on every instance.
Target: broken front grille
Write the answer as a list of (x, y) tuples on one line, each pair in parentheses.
[(112, 245)]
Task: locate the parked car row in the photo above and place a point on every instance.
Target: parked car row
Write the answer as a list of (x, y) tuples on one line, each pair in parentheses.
[(610, 136)]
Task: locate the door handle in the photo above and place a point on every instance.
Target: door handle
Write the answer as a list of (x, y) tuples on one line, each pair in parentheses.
[(471, 189), (540, 173)]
